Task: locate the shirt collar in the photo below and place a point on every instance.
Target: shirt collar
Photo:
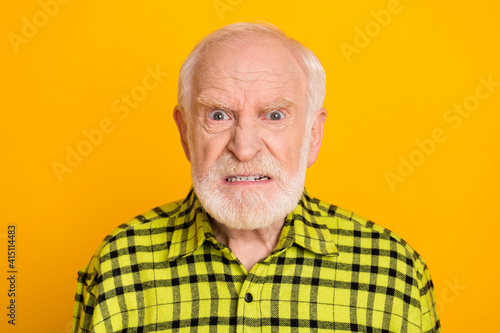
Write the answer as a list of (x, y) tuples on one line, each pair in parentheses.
[(190, 229), (306, 226), (309, 227)]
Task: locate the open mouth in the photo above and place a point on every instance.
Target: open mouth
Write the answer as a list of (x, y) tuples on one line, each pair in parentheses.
[(255, 178)]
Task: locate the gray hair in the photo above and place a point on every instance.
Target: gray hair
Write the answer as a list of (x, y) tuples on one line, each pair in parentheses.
[(315, 74)]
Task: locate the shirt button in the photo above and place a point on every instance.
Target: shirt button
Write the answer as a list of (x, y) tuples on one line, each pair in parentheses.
[(248, 297)]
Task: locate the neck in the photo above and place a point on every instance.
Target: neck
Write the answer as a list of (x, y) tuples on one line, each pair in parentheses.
[(249, 246)]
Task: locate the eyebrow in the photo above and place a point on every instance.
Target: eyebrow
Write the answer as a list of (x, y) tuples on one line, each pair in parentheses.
[(213, 102), (279, 103)]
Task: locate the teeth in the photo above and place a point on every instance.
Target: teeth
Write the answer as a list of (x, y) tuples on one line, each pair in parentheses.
[(246, 178)]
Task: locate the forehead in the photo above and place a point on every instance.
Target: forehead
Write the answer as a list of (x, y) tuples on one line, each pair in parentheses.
[(260, 68)]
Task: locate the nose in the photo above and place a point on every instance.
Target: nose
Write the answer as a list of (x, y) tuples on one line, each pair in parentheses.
[(246, 140)]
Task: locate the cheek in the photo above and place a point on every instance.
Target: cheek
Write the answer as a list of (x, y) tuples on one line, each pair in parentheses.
[(286, 148), (208, 149)]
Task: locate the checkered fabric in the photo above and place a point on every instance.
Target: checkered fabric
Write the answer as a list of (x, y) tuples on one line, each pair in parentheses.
[(331, 271)]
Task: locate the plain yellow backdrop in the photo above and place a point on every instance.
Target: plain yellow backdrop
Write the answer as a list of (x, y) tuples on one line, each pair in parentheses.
[(411, 140)]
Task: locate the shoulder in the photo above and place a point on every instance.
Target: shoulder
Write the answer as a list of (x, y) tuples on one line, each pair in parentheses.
[(153, 221), (356, 235), (139, 231)]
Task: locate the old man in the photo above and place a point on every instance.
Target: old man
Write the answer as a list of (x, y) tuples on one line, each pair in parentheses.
[(249, 249)]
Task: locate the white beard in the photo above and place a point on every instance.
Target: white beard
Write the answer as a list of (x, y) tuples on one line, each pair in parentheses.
[(244, 209)]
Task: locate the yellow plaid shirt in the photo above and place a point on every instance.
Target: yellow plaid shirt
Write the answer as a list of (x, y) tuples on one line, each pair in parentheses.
[(331, 271)]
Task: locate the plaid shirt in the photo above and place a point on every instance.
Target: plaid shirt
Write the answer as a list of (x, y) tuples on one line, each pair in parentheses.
[(330, 271)]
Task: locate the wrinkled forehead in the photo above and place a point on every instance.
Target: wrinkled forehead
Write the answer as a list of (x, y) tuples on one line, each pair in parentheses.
[(250, 63)]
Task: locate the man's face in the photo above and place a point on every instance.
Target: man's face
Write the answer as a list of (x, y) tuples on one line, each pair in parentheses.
[(247, 138)]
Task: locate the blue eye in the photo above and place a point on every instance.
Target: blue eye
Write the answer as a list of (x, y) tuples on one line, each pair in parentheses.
[(218, 115), (275, 115)]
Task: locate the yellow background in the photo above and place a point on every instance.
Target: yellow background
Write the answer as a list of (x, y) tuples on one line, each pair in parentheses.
[(396, 89)]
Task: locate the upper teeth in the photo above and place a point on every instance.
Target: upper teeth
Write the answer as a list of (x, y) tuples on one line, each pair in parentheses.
[(246, 178)]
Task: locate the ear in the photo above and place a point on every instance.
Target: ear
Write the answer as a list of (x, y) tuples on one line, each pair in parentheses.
[(316, 136), (180, 121)]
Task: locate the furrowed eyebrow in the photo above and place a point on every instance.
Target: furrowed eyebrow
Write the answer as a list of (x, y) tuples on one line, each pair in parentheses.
[(213, 102), (280, 103)]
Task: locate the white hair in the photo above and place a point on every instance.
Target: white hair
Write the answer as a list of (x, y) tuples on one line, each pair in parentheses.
[(315, 74)]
